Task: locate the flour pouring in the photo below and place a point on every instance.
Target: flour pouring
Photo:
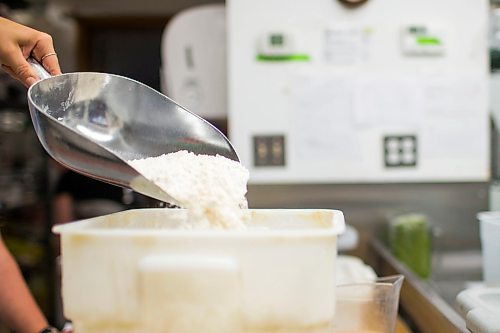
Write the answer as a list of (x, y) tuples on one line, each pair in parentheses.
[(212, 188)]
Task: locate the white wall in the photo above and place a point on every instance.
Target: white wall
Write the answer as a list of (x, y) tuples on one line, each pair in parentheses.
[(335, 110)]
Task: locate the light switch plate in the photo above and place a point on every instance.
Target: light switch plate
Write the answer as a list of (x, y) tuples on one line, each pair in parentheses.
[(269, 150), (400, 151)]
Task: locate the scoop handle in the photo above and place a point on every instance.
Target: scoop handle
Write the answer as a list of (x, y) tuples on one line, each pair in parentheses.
[(38, 68)]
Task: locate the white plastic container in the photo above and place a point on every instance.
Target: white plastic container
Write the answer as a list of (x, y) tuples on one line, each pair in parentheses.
[(480, 307), (490, 244), (136, 271)]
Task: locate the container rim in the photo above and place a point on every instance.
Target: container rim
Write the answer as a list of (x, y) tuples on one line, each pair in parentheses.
[(84, 227), (489, 215)]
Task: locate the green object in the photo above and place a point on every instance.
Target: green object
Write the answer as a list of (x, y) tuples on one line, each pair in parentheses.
[(424, 40), (410, 241), (291, 57)]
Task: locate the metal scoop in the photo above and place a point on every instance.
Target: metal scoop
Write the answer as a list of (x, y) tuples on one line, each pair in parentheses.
[(93, 123)]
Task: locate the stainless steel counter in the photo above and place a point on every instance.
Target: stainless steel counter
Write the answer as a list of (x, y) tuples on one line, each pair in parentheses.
[(454, 271), (427, 306)]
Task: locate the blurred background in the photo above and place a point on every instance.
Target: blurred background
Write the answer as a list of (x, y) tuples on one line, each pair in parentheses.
[(384, 110)]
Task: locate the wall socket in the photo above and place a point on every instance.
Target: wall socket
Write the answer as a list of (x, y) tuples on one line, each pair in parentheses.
[(400, 151), (269, 150)]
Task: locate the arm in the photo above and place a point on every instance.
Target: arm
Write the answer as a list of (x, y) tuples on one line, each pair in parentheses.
[(18, 308), (17, 43)]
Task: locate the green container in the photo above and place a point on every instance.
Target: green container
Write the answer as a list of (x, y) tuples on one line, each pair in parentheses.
[(410, 242)]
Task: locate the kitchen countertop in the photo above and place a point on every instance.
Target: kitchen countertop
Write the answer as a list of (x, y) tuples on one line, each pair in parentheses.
[(455, 271)]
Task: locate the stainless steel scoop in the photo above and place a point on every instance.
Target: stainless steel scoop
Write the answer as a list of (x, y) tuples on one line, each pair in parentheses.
[(93, 123)]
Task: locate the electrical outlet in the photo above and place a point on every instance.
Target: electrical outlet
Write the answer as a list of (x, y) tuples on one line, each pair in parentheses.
[(269, 150), (400, 151)]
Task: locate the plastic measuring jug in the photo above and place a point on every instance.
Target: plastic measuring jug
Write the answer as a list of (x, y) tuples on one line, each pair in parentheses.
[(370, 307)]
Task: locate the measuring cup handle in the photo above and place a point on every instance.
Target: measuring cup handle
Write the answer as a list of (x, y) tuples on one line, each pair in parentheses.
[(38, 68)]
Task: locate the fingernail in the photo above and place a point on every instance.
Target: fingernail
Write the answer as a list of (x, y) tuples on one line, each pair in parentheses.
[(30, 81)]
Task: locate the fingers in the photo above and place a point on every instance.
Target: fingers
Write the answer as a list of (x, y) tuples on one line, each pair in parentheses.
[(51, 64), (44, 52), (24, 73), (17, 43), (19, 68)]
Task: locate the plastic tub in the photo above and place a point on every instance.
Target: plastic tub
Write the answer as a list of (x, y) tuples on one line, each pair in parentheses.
[(136, 271)]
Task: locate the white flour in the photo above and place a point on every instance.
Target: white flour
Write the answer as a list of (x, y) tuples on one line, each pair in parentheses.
[(212, 188)]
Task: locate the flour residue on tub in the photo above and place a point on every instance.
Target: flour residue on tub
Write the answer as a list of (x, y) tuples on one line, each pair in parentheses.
[(211, 188)]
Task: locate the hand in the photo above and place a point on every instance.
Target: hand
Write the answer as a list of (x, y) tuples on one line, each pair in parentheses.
[(17, 43)]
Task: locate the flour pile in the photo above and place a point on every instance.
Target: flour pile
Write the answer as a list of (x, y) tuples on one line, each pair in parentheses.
[(212, 188)]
